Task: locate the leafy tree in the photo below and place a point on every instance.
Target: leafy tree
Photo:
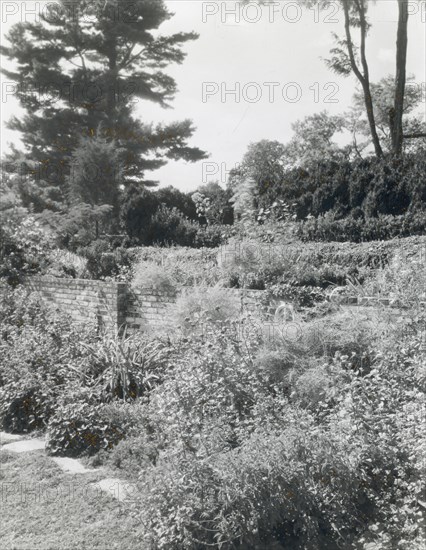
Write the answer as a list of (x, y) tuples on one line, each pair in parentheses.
[(173, 198), (396, 113), (264, 162), (312, 141), (383, 98), (347, 57), (274, 166), (220, 210), (79, 224), (89, 72)]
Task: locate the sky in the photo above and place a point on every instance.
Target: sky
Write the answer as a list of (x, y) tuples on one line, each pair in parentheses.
[(252, 73)]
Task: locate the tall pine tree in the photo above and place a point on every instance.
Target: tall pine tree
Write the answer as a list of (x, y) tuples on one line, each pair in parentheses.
[(80, 70)]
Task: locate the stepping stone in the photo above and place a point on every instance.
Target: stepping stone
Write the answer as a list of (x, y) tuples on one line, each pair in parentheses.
[(117, 488), (25, 445), (72, 465), (6, 438)]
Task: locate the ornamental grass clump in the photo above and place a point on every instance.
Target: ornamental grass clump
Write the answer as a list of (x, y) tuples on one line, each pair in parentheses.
[(197, 308)]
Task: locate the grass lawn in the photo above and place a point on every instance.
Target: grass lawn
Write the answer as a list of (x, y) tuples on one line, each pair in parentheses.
[(44, 508)]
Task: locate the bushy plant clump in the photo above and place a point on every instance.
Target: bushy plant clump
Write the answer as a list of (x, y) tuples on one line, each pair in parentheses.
[(25, 247), (81, 428), (104, 261), (45, 359), (326, 455), (176, 266), (366, 188), (40, 355)]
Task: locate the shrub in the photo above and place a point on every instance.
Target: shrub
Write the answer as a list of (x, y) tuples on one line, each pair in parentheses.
[(105, 262), (131, 455), (276, 488), (25, 406), (169, 226), (24, 249), (81, 428), (64, 263), (183, 266), (318, 383), (209, 236), (152, 275), (336, 474), (383, 227), (41, 354), (275, 364), (369, 187)]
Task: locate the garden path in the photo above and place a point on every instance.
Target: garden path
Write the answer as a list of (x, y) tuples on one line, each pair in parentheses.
[(115, 487)]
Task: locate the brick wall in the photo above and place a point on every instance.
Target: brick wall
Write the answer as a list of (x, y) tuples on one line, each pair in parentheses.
[(85, 301), (113, 305), (148, 309)]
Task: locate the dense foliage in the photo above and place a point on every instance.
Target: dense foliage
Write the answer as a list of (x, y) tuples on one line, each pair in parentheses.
[(238, 430), (363, 188)]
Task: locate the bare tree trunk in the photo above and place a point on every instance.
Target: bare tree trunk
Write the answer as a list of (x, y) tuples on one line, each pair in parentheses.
[(400, 77), (364, 77)]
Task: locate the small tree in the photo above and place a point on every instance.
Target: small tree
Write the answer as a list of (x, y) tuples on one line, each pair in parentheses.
[(96, 175)]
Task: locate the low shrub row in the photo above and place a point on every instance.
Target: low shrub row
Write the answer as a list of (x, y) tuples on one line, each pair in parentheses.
[(383, 227)]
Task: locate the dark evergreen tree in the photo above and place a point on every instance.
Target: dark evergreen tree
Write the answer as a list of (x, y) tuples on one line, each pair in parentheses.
[(80, 70)]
